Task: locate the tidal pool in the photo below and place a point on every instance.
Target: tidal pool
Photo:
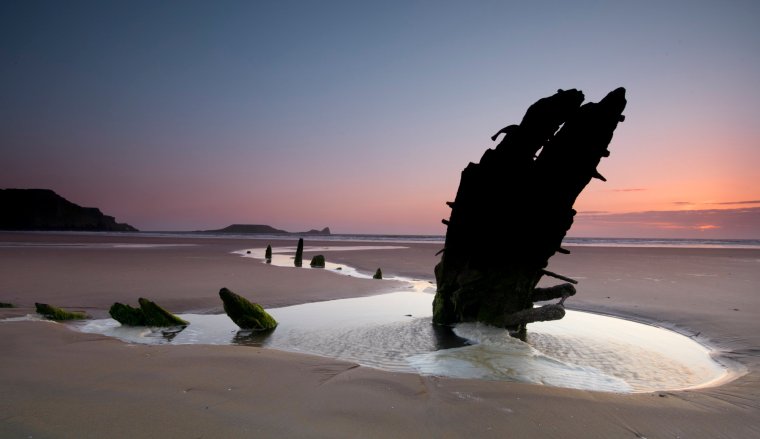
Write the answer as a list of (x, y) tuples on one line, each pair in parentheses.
[(283, 257), (394, 332)]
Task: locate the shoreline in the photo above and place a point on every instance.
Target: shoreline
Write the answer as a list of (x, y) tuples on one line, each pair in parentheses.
[(605, 242), (54, 378), (713, 344), (734, 369)]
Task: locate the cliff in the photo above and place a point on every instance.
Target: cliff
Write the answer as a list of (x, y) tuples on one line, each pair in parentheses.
[(43, 209)]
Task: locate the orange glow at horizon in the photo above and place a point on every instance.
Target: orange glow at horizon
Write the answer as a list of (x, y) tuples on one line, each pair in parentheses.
[(318, 116)]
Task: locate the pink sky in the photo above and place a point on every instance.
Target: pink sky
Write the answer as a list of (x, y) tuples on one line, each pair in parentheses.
[(361, 117)]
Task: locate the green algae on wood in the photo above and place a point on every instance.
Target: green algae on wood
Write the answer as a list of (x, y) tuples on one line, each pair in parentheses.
[(127, 315), (378, 274), (157, 316), (148, 314), (246, 314), (318, 261), (298, 260), (54, 313)]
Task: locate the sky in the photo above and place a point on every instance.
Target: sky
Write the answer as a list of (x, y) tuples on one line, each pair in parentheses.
[(360, 116)]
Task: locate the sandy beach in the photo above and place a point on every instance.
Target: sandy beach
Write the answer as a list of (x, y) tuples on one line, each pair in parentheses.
[(56, 382)]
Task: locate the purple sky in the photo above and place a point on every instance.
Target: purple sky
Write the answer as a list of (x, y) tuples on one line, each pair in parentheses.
[(193, 115)]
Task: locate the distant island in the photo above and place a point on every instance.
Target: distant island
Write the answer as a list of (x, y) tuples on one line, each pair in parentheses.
[(263, 229), (43, 209)]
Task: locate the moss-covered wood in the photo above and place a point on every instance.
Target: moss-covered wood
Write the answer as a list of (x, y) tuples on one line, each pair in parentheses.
[(148, 314), (157, 316), (127, 315), (54, 313), (378, 274), (491, 262), (298, 260), (246, 314), (318, 261), (268, 254)]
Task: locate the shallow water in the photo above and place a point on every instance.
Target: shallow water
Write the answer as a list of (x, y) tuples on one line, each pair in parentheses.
[(394, 332), (283, 257)]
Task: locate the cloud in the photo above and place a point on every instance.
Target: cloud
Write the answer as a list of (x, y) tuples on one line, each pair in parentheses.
[(738, 202), (635, 189), (739, 223), (723, 203)]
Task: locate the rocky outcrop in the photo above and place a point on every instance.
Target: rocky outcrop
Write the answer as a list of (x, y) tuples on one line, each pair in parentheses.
[(54, 313), (246, 314), (378, 274), (325, 231), (268, 254), (491, 262), (43, 209), (262, 229)]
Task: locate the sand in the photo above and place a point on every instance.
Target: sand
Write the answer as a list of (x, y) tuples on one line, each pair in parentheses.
[(56, 382)]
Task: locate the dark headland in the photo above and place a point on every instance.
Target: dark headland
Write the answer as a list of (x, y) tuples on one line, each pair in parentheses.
[(262, 229), (43, 209)]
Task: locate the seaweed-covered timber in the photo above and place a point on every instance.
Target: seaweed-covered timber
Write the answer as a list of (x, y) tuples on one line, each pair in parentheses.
[(157, 316), (246, 314), (378, 274), (54, 313), (127, 315), (298, 260), (268, 254), (492, 263), (318, 261), (148, 314)]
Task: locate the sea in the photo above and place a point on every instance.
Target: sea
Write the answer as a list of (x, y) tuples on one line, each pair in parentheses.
[(571, 241)]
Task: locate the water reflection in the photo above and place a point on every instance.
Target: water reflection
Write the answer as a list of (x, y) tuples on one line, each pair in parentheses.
[(170, 333), (247, 337)]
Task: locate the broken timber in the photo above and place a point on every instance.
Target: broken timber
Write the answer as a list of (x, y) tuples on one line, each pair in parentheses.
[(493, 263)]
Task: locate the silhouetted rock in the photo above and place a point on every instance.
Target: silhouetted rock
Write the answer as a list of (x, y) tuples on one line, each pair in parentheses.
[(325, 231), (43, 209), (268, 254), (318, 261), (298, 260), (491, 262), (6, 305), (55, 313), (262, 229), (246, 314), (378, 274)]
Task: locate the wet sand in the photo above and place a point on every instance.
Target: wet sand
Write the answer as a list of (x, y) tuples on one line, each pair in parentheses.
[(58, 383)]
